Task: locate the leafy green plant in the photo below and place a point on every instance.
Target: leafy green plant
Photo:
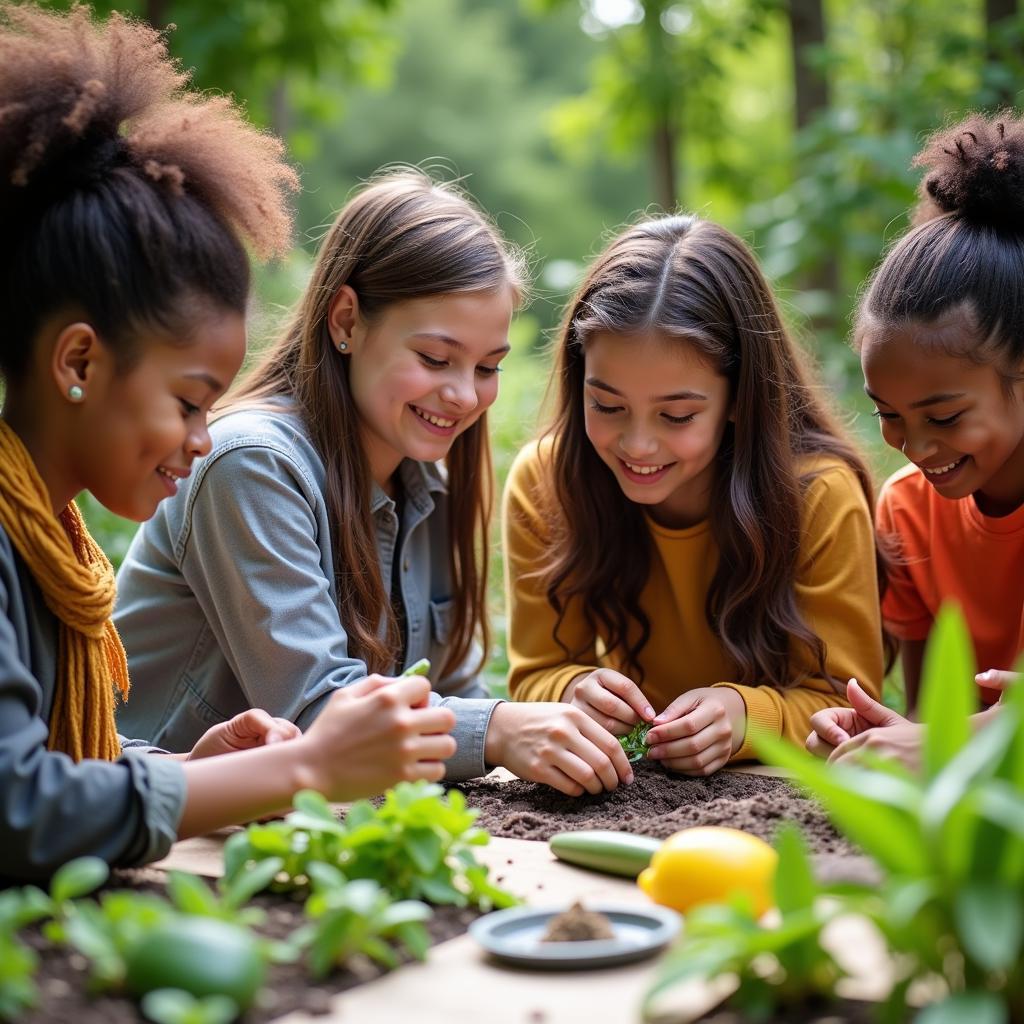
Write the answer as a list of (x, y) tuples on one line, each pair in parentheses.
[(358, 917), (634, 743), (950, 841), (191, 895), (18, 964), (175, 1006), (417, 845), (778, 966)]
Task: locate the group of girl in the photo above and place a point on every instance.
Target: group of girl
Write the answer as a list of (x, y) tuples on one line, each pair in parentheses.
[(689, 543)]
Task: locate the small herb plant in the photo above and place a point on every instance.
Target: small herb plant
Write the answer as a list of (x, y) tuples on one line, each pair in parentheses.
[(950, 842), (175, 1006), (778, 968), (634, 743), (358, 918), (417, 845)]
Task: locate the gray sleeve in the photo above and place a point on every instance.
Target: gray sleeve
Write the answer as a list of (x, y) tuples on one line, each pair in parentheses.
[(52, 810)]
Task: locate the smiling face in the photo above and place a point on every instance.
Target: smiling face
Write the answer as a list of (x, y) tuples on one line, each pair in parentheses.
[(424, 372), (655, 411), (957, 420), (138, 432)]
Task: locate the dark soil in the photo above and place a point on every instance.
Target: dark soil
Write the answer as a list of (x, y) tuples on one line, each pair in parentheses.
[(63, 974), (657, 804)]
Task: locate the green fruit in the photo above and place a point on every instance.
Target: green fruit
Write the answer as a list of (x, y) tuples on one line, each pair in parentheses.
[(418, 668), (200, 955), (616, 853)]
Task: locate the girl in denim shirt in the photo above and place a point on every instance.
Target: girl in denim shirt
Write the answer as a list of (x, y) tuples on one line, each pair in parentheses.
[(339, 526), (123, 278)]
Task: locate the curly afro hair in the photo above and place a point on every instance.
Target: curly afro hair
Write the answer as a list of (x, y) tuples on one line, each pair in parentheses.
[(976, 170), (122, 192), (965, 255)]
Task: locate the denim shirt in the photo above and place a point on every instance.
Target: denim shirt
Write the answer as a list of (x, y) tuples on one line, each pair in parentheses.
[(227, 599), (52, 809)]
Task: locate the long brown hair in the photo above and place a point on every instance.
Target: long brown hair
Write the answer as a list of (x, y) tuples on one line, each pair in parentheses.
[(401, 237), (687, 278)]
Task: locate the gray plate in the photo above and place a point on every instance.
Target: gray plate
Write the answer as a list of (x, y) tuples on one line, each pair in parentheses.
[(514, 936)]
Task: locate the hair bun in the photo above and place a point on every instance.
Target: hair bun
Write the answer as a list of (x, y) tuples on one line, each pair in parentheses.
[(975, 169)]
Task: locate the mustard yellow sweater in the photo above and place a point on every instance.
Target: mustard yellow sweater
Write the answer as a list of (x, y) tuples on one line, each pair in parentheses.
[(836, 587)]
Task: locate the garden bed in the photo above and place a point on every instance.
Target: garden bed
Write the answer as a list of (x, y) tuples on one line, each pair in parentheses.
[(657, 804), (63, 973)]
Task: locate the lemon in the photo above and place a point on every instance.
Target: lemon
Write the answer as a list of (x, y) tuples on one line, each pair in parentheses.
[(708, 864)]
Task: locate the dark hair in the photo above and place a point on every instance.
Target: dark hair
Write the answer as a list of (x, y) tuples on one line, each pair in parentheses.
[(124, 197), (966, 253), (686, 278), (402, 237)]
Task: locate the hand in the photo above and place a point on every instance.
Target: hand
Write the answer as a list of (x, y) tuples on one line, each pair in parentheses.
[(996, 679), (901, 741), (832, 727), (557, 745), (699, 731), (252, 728), (376, 733), (611, 699)]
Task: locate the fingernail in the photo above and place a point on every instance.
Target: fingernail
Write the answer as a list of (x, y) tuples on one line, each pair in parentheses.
[(654, 753), (629, 778), (648, 712), (658, 720)]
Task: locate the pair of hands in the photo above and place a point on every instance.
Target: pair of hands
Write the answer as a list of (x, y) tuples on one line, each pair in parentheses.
[(840, 734), (696, 734)]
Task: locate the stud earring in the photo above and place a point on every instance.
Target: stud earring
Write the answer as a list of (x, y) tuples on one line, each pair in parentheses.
[(342, 346), (75, 393)]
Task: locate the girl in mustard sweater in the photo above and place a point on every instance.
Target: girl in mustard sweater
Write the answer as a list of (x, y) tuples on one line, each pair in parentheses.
[(690, 542)]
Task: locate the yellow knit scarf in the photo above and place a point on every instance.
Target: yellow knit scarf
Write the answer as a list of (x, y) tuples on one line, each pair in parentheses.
[(77, 581)]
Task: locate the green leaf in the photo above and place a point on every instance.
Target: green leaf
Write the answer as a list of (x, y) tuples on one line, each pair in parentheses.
[(961, 1007), (191, 895), (425, 848), (949, 693), (990, 923), (78, 878), (248, 883), (795, 888), (405, 912), (414, 937), (313, 804), (380, 951)]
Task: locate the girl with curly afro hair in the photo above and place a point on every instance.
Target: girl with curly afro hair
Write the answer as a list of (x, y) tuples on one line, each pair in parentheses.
[(127, 203)]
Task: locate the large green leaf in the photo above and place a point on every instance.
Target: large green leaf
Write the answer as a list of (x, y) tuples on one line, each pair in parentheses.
[(949, 693), (990, 923), (78, 878), (965, 1008), (795, 888)]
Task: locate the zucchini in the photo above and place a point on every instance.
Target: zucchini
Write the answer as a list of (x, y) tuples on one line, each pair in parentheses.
[(615, 853)]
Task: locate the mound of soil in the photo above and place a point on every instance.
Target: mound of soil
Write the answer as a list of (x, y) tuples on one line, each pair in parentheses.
[(657, 804), (63, 974)]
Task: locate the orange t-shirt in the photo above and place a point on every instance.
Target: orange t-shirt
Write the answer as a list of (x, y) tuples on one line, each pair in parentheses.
[(948, 550)]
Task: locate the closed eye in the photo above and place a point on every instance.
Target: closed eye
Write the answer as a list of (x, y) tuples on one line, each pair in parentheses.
[(947, 422), (488, 371), (608, 410), (188, 408), (434, 364), (885, 415), (679, 419)]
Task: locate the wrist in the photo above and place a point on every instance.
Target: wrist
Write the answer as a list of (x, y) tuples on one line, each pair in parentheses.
[(736, 710), (494, 740), (304, 767), (570, 687)]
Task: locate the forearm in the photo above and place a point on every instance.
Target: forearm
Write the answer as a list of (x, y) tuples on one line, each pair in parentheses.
[(239, 787)]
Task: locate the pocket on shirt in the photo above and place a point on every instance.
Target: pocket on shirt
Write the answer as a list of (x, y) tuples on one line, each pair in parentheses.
[(441, 614)]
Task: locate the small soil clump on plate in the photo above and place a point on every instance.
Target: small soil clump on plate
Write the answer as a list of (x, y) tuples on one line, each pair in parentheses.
[(578, 925)]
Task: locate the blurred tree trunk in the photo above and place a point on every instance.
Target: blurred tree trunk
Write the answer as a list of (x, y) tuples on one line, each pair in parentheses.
[(155, 12), (997, 12), (665, 107), (807, 29), (811, 95), (280, 109)]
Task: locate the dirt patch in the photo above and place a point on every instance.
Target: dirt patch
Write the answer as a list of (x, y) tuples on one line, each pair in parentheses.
[(657, 804), (62, 976), (843, 1011)]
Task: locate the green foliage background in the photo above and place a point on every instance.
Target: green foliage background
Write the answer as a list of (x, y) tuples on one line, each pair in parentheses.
[(549, 110)]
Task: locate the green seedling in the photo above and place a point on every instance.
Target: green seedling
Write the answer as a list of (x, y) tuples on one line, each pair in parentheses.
[(417, 845), (634, 743), (18, 991), (358, 917), (418, 668), (191, 895), (949, 840), (175, 1006)]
